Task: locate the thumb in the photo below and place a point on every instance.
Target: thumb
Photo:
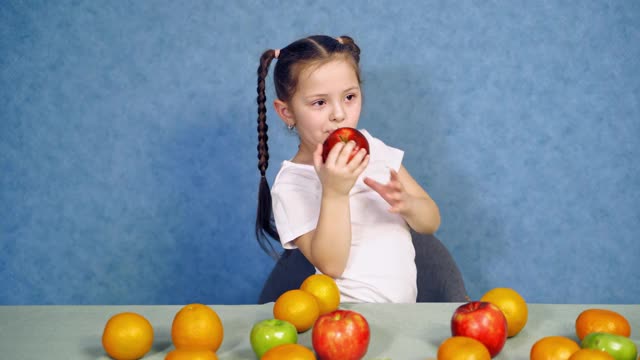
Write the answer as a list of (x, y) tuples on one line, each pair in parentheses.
[(317, 157)]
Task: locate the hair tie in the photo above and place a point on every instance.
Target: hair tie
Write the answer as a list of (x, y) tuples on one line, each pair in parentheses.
[(276, 53)]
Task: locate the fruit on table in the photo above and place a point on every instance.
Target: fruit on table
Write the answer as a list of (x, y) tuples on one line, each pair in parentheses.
[(553, 347), (482, 321), (601, 320), (186, 354), (344, 135), (513, 306), (197, 326), (462, 348), (270, 333), (127, 336), (325, 290), (618, 346), (341, 335), (591, 354), (297, 307), (289, 352)]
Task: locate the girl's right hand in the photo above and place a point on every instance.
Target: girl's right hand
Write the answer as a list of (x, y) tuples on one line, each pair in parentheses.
[(338, 174)]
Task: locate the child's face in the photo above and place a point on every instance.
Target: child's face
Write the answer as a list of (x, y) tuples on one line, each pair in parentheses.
[(326, 98)]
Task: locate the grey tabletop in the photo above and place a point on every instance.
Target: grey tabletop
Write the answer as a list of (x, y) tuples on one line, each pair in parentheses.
[(398, 331)]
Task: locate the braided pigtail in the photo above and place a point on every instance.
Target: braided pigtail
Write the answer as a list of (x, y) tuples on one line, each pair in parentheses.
[(265, 226)]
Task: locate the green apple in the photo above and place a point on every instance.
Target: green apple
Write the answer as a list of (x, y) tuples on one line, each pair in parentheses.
[(268, 333), (618, 346)]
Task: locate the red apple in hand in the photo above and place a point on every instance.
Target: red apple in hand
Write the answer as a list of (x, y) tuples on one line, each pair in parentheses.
[(482, 321), (344, 134), (340, 335)]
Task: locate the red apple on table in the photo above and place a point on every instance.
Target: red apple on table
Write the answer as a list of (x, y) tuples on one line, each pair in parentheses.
[(340, 335), (482, 321), (345, 134)]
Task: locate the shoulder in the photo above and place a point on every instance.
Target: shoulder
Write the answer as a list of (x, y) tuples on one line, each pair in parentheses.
[(292, 176), (382, 152)]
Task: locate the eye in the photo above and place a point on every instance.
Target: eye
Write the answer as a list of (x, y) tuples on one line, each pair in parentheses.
[(318, 103), (350, 97)]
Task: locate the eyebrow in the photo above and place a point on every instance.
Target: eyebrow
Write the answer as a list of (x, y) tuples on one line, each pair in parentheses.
[(324, 95)]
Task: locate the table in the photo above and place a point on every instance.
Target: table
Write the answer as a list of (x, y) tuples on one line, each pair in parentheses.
[(398, 331)]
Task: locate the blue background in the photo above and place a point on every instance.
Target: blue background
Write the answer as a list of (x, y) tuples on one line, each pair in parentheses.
[(128, 163)]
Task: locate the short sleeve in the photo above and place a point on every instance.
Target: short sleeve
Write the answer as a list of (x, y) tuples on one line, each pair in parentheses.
[(295, 202), (382, 159)]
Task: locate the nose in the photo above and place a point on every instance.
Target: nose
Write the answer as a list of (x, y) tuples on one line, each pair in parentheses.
[(338, 114)]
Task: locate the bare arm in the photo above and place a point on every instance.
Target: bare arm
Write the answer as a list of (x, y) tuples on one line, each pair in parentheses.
[(327, 247), (410, 200)]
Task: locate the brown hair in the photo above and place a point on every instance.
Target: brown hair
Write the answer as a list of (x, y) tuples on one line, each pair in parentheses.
[(297, 56)]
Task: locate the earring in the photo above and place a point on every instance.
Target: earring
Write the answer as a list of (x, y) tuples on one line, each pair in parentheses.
[(291, 126)]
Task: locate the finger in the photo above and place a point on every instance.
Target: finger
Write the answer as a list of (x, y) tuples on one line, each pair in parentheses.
[(334, 153), (394, 210), (358, 158), (376, 186), (396, 185), (363, 164), (393, 177), (395, 196), (395, 182), (346, 151)]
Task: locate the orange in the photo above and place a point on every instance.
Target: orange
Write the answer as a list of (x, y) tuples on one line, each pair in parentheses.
[(591, 354), (297, 307), (600, 320), (197, 326), (182, 354), (326, 291), (289, 352), (127, 336), (553, 348), (462, 348), (512, 305)]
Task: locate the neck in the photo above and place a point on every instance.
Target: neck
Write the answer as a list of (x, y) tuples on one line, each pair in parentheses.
[(303, 157)]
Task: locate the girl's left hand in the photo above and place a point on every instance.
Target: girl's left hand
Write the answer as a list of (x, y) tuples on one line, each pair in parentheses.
[(393, 192)]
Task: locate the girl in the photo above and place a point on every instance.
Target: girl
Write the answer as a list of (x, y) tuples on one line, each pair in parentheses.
[(350, 219)]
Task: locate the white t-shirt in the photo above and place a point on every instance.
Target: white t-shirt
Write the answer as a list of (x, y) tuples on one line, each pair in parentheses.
[(381, 265)]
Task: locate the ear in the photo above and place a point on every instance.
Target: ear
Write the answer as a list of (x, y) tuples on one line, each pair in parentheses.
[(285, 113)]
